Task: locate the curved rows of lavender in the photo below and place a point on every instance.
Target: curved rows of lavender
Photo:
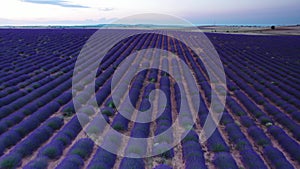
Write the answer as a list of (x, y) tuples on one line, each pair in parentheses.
[(260, 127)]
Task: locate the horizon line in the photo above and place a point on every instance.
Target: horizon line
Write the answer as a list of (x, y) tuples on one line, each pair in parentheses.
[(141, 24)]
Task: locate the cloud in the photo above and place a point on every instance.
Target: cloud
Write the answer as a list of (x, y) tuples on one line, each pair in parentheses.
[(11, 22), (105, 9), (61, 3)]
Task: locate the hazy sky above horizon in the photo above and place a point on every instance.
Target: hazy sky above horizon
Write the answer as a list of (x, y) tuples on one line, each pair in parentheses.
[(76, 12)]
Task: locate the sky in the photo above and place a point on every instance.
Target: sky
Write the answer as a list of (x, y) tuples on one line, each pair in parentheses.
[(198, 12)]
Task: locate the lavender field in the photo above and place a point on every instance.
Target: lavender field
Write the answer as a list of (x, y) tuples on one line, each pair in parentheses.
[(39, 128)]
